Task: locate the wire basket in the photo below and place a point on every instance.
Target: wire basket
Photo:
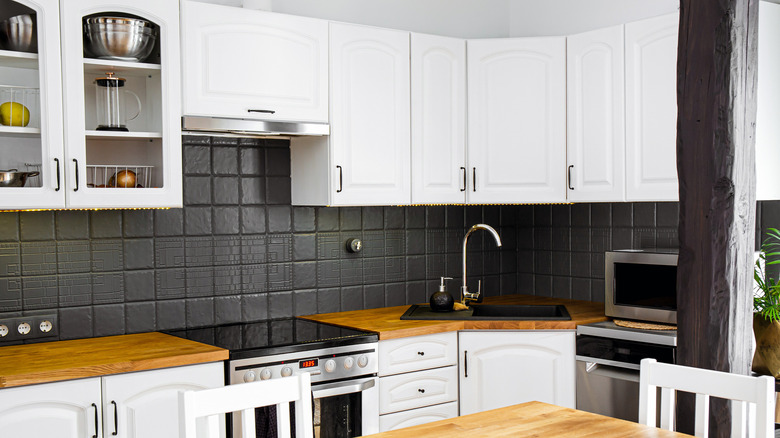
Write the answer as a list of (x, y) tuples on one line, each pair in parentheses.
[(110, 175), (33, 181), (20, 107)]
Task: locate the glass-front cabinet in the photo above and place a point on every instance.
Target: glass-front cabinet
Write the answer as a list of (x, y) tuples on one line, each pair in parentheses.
[(101, 125), (31, 144)]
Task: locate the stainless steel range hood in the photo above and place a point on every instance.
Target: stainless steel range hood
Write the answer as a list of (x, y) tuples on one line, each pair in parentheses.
[(251, 127)]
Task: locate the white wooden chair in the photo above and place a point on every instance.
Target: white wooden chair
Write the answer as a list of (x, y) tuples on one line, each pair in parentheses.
[(244, 398), (752, 397)]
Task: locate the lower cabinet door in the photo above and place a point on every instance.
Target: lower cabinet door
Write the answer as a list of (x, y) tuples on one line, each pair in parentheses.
[(418, 389), (146, 404), (69, 409), (415, 417)]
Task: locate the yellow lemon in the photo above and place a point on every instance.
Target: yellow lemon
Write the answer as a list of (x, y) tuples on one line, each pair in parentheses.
[(14, 114)]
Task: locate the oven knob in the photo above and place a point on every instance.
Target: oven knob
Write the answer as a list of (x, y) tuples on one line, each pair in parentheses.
[(265, 374), (249, 376), (330, 365), (286, 372), (362, 361), (348, 362)]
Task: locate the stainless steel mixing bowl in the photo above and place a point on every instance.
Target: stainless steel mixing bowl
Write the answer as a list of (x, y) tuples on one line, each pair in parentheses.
[(123, 39), (19, 34), (12, 178)]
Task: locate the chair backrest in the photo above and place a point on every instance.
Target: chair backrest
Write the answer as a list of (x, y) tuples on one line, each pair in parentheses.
[(752, 397), (243, 399)]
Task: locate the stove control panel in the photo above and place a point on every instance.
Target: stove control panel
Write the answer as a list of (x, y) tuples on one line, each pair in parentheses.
[(323, 365)]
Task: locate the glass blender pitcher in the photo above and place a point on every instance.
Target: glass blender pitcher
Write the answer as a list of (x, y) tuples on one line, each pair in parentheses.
[(110, 103)]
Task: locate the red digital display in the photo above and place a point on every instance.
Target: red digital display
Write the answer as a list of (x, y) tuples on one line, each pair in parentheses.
[(308, 363)]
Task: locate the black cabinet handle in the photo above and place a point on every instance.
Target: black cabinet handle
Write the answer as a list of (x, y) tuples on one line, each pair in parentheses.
[(421, 353), (116, 421), (570, 168), (261, 111), (474, 179), (57, 160), (96, 418), (341, 179), (465, 363), (421, 391), (464, 179), (77, 175)]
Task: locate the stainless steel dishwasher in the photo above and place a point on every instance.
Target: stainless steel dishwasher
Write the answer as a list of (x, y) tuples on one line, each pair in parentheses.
[(608, 359)]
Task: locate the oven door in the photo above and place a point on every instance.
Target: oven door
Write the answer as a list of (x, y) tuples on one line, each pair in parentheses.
[(346, 409)]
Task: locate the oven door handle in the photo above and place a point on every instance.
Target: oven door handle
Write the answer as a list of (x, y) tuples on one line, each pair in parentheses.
[(341, 388), (607, 362)]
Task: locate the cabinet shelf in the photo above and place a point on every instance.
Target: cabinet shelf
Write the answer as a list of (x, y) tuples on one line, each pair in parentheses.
[(120, 135), (9, 58), (19, 131), (101, 66)]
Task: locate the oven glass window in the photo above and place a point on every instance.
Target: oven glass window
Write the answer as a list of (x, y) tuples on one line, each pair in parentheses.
[(338, 416), (640, 285)]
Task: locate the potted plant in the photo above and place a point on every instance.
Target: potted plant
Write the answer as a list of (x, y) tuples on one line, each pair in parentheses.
[(766, 307)]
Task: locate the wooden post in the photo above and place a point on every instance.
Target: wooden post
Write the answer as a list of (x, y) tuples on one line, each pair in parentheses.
[(716, 100)]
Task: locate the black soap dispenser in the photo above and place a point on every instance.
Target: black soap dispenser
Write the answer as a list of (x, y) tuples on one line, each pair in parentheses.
[(442, 301)]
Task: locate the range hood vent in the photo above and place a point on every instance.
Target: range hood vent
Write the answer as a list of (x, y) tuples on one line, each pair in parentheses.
[(252, 127)]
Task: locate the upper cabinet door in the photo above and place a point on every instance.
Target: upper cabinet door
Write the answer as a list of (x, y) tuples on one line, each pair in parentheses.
[(31, 110), (115, 160), (370, 147), (768, 95), (595, 119), (438, 119), (651, 109), (252, 64), (517, 120)]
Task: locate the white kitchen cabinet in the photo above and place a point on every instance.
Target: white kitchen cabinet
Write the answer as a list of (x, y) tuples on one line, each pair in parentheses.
[(768, 96), (250, 64), (369, 141), (517, 120), (69, 409), (502, 368), (146, 404), (651, 109), (140, 404), (438, 119), (414, 417), (151, 148), (418, 376), (34, 80), (595, 119)]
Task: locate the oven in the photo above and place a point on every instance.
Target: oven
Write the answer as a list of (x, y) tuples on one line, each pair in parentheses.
[(342, 363), (344, 387)]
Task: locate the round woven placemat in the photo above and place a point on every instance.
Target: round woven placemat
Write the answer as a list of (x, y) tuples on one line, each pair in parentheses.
[(643, 325)]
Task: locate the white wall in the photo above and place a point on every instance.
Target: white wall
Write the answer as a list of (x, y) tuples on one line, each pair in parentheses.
[(568, 17)]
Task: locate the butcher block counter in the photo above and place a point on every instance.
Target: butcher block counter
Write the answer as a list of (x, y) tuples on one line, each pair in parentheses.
[(64, 360), (388, 323)]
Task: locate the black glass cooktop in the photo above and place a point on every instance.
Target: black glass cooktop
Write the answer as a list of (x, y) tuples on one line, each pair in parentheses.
[(264, 338)]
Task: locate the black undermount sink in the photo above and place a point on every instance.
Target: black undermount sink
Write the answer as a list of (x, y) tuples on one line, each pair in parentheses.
[(492, 312)]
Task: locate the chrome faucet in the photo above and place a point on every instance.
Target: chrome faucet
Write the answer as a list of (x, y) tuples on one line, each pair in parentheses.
[(464, 290)]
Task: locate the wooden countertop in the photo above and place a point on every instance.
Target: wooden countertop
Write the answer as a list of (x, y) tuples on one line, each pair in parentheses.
[(64, 360), (532, 419), (386, 321)]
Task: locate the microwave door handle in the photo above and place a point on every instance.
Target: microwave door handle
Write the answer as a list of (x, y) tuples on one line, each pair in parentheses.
[(341, 388)]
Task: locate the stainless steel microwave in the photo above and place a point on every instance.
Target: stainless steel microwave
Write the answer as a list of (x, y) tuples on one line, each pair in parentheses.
[(641, 285)]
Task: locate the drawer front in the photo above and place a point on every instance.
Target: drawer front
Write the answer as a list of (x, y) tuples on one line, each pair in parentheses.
[(418, 353), (418, 389), (415, 417)]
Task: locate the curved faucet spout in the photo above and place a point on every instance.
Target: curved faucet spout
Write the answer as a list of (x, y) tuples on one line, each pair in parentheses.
[(464, 290)]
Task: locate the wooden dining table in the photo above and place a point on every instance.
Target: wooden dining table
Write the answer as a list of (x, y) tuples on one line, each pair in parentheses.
[(532, 419)]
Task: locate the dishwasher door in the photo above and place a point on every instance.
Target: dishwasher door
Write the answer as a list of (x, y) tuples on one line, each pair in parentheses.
[(607, 390)]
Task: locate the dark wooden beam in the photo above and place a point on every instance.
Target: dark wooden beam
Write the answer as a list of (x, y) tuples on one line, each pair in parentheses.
[(716, 100)]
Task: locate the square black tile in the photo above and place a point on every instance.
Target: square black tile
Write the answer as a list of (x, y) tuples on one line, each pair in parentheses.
[(394, 217), (278, 190), (107, 255), (108, 288), (39, 258), (105, 223), (227, 309), (561, 215), (197, 160), (373, 218), (10, 260), (253, 220), (75, 290), (109, 319), (644, 214), (304, 219), (580, 215), (305, 302), (75, 322), (197, 190), (252, 161), (226, 190), (71, 225), (456, 217), (328, 300), (199, 251), (169, 222), (171, 315), (416, 293), (327, 219), (200, 312), (139, 286), (252, 191), (304, 247), (39, 292), (277, 161), (622, 214), (352, 298), (395, 294), (139, 253), (225, 220), (350, 218), (415, 242), (279, 219), (197, 221), (280, 305), (170, 283), (224, 160), (9, 226), (227, 250), (601, 215), (137, 223), (304, 275), (140, 317), (434, 217), (254, 307), (37, 225), (667, 214)]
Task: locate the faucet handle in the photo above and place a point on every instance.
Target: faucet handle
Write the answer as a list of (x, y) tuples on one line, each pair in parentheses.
[(479, 291)]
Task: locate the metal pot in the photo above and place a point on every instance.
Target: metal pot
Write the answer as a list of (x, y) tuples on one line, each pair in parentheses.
[(18, 33), (118, 38), (14, 178)]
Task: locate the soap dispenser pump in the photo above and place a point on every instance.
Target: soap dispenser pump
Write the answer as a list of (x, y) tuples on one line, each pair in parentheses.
[(442, 301)]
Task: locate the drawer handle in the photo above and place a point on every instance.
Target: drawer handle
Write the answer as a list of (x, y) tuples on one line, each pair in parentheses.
[(421, 391), (421, 353), (261, 111)]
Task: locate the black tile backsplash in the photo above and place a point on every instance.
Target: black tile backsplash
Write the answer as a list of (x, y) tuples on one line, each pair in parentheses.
[(238, 251)]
